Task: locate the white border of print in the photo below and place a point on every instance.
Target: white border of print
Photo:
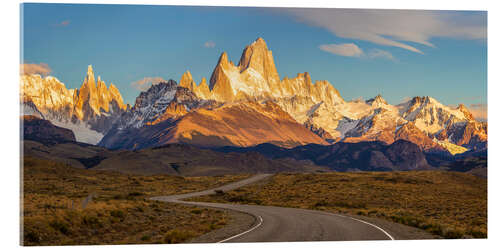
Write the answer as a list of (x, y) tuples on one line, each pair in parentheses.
[(9, 216)]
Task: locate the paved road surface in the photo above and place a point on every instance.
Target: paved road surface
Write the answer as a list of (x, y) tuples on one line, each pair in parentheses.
[(280, 224)]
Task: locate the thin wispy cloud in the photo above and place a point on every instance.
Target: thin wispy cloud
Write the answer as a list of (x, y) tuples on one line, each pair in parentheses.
[(395, 28), (146, 82), (479, 111), (63, 23), (378, 53), (405, 99), (352, 50), (358, 99), (32, 68), (345, 49), (209, 44)]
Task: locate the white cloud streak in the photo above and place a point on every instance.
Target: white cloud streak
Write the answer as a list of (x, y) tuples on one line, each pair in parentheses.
[(378, 53), (64, 23), (32, 68), (405, 99), (352, 50), (146, 82), (209, 44), (345, 49), (396, 28), (479, 111)]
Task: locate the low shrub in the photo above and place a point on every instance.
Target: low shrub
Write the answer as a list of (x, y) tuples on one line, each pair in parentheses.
[(244, 199), (196, 211), (117, 214), (31, 237), (350, 204), (91, 221), (177, 236), (135, 194), (477, 234), (453, 234), (60, 226)]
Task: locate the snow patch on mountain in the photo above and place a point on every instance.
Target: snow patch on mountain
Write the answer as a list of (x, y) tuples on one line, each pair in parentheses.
[(90, 110), (82, 132), (345, 125), (429, 115), (452, 148)]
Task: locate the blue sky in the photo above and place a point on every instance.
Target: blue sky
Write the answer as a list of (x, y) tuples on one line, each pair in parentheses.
[(398, 54)]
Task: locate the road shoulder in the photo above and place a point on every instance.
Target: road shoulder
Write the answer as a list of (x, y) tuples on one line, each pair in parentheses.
[(239, 223)]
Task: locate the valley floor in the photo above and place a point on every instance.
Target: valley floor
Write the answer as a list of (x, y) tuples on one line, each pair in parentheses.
[(446, 204), (62, 205)]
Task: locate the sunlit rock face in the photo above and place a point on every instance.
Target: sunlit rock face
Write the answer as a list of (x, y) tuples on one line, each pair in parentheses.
[(320, 107), (89, 111), (245, 104), (255, 78), (48, 96), (97, 96), (170, 113)]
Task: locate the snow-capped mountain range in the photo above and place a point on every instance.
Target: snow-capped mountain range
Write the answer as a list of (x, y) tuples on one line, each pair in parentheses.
[(247, 104), (89, 111)]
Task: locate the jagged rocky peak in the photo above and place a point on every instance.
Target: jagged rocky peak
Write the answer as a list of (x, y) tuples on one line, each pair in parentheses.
[(187, 81), (256, 77), (97, 96), (218, 72), (203, 84), (423, 100), (223, 60), (421, 106), (257, 51), (376, 101), (161, 102), (466, 112), (154, 92), (89, 78), (149, 105), (307, 78), (46, 93), (257, 57), (117, 96), (202, 91), (87, 111), (432, 116), (161, 94)]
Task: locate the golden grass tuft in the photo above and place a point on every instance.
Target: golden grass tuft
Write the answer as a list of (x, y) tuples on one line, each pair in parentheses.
[(63, 205)]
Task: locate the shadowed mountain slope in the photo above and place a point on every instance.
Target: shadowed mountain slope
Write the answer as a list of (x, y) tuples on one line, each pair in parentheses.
[(365, 156)]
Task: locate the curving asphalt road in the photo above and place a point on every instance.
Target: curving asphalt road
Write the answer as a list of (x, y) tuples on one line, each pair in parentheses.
[(281, 224)]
